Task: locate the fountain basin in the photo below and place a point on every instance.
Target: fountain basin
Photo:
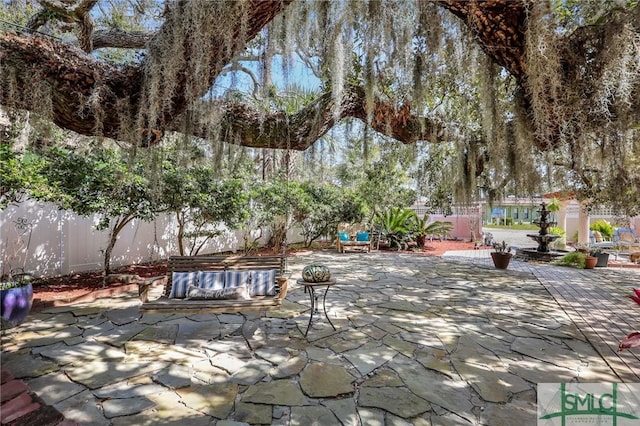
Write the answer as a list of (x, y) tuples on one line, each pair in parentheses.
[(543, 241), (532, 254)]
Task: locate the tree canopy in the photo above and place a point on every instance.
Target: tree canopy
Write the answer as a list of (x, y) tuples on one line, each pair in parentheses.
[(527, 91)]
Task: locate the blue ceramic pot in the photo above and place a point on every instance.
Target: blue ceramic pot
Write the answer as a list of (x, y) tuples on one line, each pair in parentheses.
[(16, 303)]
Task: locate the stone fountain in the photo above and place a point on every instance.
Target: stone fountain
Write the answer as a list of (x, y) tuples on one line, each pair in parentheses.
[(543, 238)]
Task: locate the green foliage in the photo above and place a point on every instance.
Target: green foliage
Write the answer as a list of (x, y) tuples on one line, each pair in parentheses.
[(273, 204), (323, 207), (6, 285), (554, 205), (382, 183), (502, 247), (434, 177), (604, 227), (19, 175), (396, 224), (560, 243), (97, 182), (423, 227), (17, 13), (575, 259), (8, 281), (574, 13), (556, 230), (202, 202), (101, 183)]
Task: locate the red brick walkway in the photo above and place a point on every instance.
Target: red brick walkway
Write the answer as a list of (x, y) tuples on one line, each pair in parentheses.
[(21, 407)]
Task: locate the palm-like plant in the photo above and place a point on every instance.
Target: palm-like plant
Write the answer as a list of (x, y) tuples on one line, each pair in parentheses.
[(423, 227), (397, 225)]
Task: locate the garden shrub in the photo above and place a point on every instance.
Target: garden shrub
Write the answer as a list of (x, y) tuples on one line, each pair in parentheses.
[(603, 227), (575, 258)]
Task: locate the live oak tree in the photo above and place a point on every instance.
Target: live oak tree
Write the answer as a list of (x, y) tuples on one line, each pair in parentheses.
[(528, 92)]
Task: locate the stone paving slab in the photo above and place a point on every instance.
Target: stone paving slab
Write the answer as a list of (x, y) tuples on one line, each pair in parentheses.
[(419, 340), (594, 300)]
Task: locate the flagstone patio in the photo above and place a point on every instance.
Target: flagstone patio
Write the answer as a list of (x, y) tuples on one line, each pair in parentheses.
[(419, 340)]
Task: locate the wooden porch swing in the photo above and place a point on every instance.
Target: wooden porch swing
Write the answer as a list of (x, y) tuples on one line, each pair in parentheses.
[(264, 276), (196, 267)]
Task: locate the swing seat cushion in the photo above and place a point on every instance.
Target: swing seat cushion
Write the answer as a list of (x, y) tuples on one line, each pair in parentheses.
[(221, 282), (182, 281), (211, 280), (263, 283), (229, 293)]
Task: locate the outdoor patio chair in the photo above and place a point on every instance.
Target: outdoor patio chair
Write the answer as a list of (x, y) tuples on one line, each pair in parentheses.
[(626, 240), (596, 239)]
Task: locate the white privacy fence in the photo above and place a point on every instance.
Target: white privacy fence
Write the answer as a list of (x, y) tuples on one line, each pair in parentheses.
[(45, 241)]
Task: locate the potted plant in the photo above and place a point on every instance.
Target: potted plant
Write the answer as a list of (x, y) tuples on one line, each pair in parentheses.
[(581, 247), (590, 261), (501, 255), (601, 256), (577, 259), (16, 297)]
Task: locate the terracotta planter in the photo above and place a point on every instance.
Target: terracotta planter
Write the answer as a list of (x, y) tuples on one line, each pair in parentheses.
[(15, 303), (501, 260), (590, 262)]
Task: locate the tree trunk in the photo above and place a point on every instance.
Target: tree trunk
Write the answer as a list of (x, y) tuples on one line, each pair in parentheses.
[(180, 217), (118, 226)]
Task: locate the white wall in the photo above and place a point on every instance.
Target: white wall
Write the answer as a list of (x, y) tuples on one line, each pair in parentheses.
[(63, 243)]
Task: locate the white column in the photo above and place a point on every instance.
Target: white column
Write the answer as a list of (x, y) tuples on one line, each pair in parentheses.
[(562, 215), (583, 225)]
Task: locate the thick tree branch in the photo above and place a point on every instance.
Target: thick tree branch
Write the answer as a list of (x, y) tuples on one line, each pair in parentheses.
[(78, 81), (79, 14), (121, 39), (246, 126), (184, 92), (72, 78), (499, 26)]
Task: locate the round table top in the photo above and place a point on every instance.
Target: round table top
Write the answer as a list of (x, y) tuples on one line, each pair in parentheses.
[(332, 281)]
